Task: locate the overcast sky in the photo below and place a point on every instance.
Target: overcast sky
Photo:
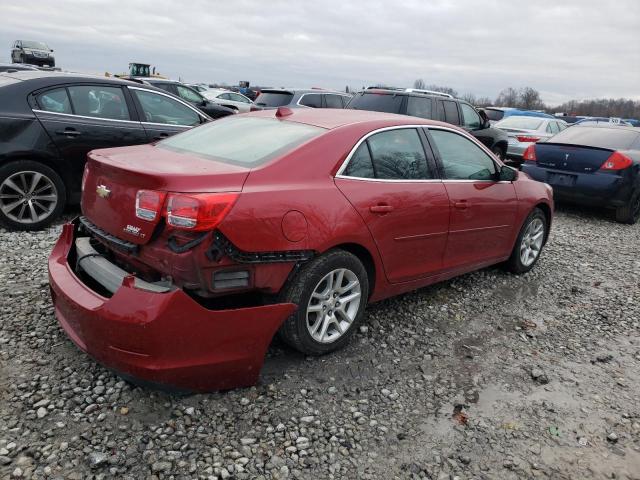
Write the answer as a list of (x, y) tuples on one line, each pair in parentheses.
[(566, 49)]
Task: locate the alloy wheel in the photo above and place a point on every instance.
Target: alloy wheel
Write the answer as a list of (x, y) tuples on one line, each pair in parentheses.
[(333, 305), (28, 197), (531, 243)]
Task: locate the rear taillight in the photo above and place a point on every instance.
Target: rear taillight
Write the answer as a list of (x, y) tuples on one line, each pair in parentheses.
[(198, 211), (149, 204), (529, 154), (527, 139), (617, 161)]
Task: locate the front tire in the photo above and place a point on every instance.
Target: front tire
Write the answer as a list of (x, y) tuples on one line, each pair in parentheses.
[(526, 252), (331, 292), (32, 195), (630, 213)]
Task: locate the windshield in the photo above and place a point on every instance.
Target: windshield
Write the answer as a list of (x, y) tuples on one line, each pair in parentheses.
[(274, 99), (35, 45), (524, 123), (613, 138), (376, 102), (241, 140)]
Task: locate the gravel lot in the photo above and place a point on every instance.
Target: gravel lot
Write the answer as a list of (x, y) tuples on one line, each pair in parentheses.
[(486, 376)]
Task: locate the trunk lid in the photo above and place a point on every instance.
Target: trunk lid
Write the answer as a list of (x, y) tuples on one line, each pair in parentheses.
[(114, 176), (571, 158)]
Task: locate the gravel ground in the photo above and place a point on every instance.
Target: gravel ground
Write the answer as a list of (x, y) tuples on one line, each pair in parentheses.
[(483, 377)]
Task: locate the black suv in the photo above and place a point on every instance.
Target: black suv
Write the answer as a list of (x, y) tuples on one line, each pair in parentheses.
[(34, 53), (434, 106)]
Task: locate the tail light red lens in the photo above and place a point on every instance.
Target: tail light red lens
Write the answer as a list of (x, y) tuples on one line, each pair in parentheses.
[(149, 204), (527, 139), (529, 154), (198, 211), (617, 161)]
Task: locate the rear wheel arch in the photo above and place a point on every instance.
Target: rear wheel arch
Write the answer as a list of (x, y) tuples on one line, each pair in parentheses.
[(365, 256)]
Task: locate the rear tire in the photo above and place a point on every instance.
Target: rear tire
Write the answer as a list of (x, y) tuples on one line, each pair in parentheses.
[(630, 213), (32, 195), (528, 247), (331, 292)]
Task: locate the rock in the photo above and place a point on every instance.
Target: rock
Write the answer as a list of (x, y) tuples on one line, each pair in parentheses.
[(612, 437), (41, 412), (161, 466), (539, 376), (302, 443), (97, 459)]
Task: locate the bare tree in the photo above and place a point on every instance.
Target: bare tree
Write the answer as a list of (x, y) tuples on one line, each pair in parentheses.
[(439, 88), (483, 102), (530, 99), (508, 97), (419, 84), (469, 97)]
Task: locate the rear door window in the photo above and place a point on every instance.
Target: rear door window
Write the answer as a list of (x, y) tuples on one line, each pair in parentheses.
[(162, 109), (360, 165), (274, 99), (55, 100), (333, 101), (419, 107), (398, 155), (99, 101), (460, 158), (313, 100), (188, 94), (451, 114)]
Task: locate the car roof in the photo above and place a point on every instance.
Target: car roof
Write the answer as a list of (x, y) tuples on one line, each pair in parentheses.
[(26, 75), (610, 125), (330, 118), (294, 91)]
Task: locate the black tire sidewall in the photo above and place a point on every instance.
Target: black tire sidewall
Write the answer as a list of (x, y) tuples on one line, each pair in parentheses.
[(294, 331), (28, 165), (515, 264)]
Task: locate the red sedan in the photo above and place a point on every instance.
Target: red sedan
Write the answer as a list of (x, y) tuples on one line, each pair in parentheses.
[(190, 254)]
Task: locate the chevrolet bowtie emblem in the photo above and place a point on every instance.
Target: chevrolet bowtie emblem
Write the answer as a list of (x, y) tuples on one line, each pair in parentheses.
[(103, 191)]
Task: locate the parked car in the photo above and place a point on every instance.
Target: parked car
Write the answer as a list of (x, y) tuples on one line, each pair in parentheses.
[(436, 106), (15, 67), (232, 100), (48, 123), (496, 114), (181, 276), (603, 120), (270, 98), (35, 53), (597, 165), (523, 131), (188, 94)]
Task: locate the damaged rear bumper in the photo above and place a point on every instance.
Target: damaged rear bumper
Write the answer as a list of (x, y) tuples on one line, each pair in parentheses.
[(163, 338)]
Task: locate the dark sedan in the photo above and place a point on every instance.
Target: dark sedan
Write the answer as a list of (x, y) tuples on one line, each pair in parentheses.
[(597, 165), (50, 121), (189, 95)]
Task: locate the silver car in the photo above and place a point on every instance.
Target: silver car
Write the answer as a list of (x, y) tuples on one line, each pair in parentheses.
[(524, 131), (233, 100)]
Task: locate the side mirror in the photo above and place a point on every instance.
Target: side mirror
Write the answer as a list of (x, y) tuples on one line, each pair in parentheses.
[(507, 174), (484, 119)]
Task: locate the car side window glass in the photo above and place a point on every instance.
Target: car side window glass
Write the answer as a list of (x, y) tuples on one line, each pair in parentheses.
[(162, 109), (237, 98), (398, 155), (99, 101), (188, 94), (419, 107), (333, 101), (555, 127), (451, 114), (548, 129), (462, 159), (345, 100), (471, 117), (360, 164), (312, 100), (55, 100)]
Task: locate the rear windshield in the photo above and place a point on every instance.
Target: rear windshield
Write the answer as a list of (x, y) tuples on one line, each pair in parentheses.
[(274, 99), (614, 138), (494, 115), (376, 102), (242, 141), (525, 123)]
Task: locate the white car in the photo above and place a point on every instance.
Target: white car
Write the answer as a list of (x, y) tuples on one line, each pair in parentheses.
[(229, 99)]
